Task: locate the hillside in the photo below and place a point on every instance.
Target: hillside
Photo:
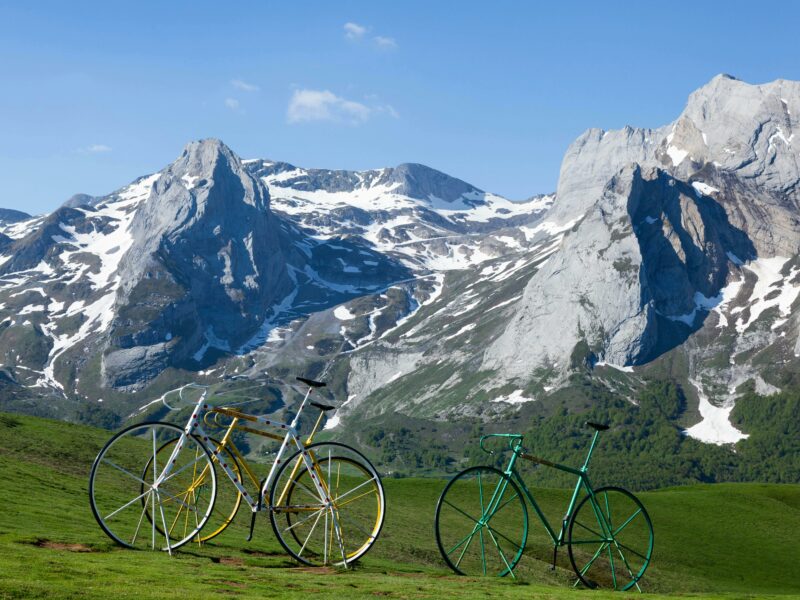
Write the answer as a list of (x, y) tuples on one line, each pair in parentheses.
[(720, 541)]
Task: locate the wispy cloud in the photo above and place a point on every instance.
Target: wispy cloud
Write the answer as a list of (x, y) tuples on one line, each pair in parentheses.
[(232, 103), (323, 105), (385, 43), (97, 149), (354, 31), (244, 86)]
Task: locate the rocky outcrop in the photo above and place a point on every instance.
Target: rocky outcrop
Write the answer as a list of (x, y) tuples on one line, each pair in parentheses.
[(207, 264), (662, 215)]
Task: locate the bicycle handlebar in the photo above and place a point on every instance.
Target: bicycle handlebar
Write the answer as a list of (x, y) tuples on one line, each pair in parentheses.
[(514, 440)]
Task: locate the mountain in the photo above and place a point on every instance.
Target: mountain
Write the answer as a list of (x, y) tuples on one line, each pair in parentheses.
[(654, 289), (9, 216), (215, 257)]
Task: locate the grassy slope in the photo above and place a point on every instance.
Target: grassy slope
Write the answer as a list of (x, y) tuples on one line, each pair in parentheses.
[(711, 541)]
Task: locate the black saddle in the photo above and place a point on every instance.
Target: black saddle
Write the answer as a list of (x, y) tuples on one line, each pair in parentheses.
[(322, 407), (312, 383), (596, 426)]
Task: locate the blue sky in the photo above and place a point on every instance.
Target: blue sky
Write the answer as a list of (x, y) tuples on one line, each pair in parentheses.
[(96, 94)]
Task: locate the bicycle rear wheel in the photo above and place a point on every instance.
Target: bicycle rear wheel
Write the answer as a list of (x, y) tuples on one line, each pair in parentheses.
[(610, 539), (122, 491), (481, 522), (306, 524)]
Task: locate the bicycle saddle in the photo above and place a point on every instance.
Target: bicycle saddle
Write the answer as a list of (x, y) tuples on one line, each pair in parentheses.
[(596, 426), (322, 407), (312, 383)]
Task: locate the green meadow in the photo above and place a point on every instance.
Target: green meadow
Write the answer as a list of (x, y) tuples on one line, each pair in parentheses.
[(711, 541)]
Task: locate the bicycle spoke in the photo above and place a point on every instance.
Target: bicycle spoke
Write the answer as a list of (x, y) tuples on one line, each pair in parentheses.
[(466, 537), (359, 486), (503, 556), (589, 529), (466, 546), (139, 524), (314, 526), (483, 549), (473, 519), (499, 508), (368, 493), (613, 571), (182, 469), (153, 520), (310, 491), (128, 473), (171, 497), (594, 558), (505, 537), (164, 522), (352, 521), (304, 520), (629, 549), (626, 523), (625, 561), (155, 471), (126, 505), (608, 512)]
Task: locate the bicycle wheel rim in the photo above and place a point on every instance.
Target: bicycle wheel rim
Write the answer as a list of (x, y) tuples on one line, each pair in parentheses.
[(305, 528), (118, 484), (610, 539), (481, 523)]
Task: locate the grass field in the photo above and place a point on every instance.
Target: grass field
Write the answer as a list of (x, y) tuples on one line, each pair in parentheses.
[(721, 541)]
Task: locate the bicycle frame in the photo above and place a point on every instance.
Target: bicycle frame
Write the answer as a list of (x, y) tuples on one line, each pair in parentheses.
[(227, 440), (515, 444), (193, 428)]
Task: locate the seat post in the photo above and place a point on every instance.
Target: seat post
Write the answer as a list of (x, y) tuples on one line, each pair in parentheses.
[(591, 449)]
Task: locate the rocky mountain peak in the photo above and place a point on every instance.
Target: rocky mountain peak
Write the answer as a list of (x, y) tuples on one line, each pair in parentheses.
[(421, 182)]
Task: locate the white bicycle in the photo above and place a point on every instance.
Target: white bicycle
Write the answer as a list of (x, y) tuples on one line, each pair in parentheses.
[(154, 484)]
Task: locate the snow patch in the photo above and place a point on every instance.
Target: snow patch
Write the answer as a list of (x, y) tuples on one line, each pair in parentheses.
[(515, 397), (715, 426), (343, 313)]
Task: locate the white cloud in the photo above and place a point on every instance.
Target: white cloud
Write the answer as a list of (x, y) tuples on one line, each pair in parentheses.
[(324, 105), (232, 103), (354, 31), (385, 43), (239, 84), (98, 148)]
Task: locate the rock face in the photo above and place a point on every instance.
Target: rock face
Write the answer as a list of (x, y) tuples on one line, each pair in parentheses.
[(411, 180), (664, 216), (206, 265), (8, 216)]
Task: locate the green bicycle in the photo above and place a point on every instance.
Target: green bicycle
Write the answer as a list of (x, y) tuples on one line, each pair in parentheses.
[(482, 523)]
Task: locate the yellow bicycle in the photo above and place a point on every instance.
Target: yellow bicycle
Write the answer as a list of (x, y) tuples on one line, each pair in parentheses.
[(155, 484)]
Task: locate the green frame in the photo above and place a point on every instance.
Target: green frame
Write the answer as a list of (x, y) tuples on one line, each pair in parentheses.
[(515, 444), (608, 533)]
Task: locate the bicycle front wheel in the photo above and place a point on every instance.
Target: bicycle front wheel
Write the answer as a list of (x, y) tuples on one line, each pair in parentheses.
[(226, 504), (122, 491), (481, 522), (331, 514), (610, 539)]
